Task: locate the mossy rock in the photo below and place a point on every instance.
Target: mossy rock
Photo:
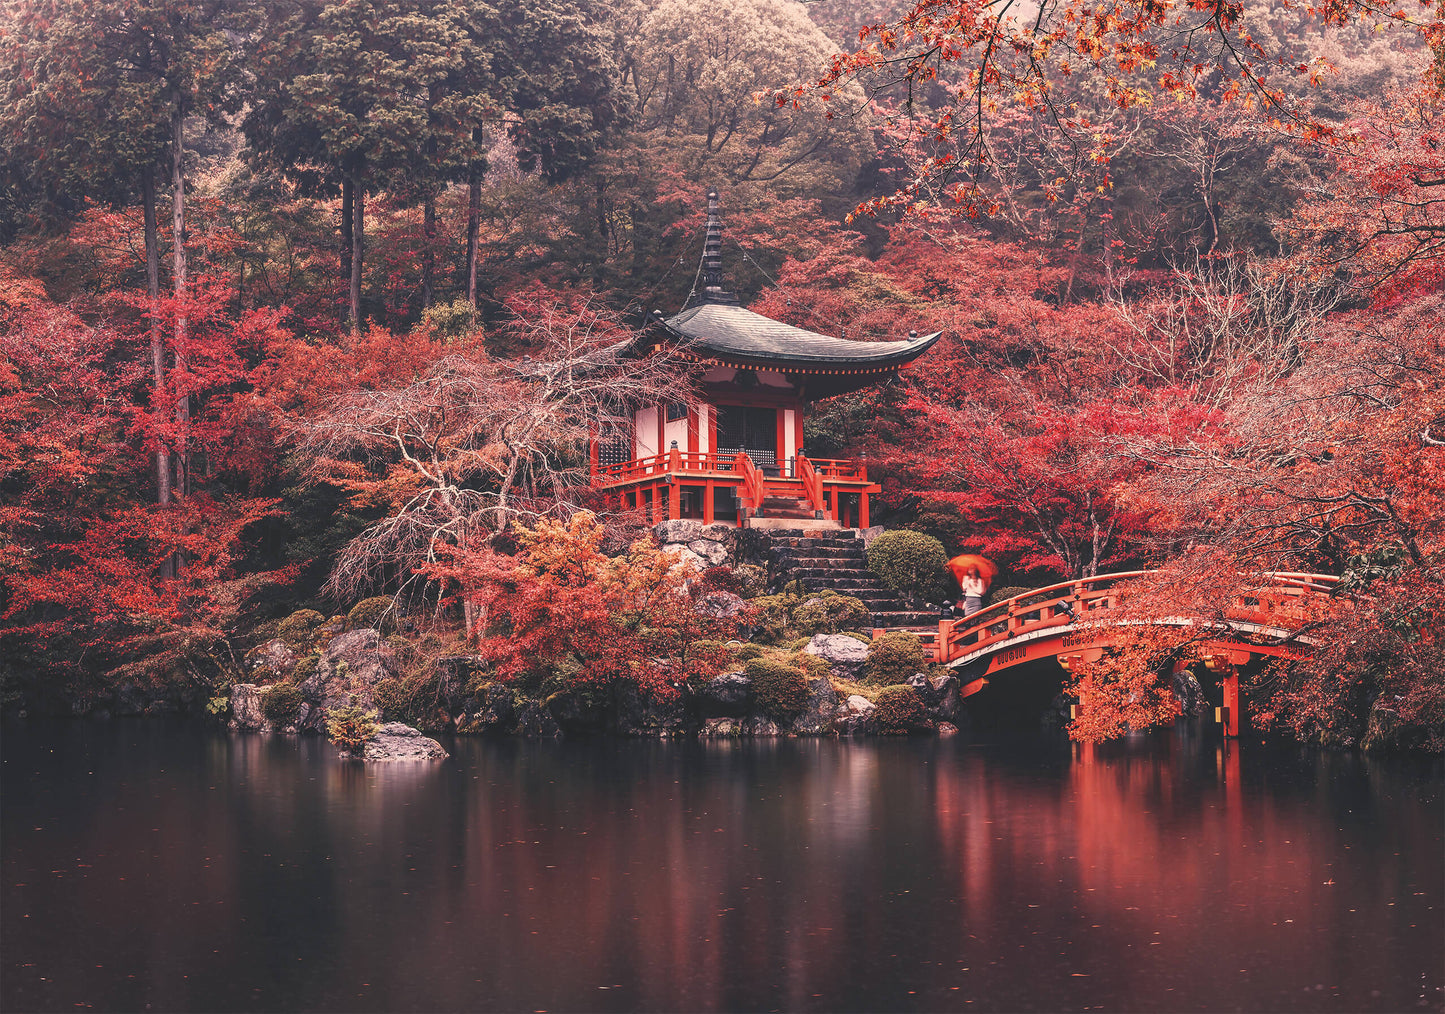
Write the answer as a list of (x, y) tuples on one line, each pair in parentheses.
[(893, 658), (374, 612), (780, 689), (748, 651), (857, 635), (280, 703), (899, 710), (827, 612), (812, 666), (306, 668), (298, 629), (751, 579), (911, 563)]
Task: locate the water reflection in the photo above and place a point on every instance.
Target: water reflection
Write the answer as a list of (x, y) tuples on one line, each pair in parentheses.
[(147, 864)]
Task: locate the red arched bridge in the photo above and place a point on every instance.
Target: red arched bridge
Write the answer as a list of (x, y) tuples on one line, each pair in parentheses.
[(1071, 622)]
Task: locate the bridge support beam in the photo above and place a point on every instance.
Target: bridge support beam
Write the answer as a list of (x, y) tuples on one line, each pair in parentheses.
[(1231, 703)]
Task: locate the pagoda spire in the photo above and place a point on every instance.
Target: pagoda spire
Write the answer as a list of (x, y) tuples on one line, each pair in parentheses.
[(712, 278)]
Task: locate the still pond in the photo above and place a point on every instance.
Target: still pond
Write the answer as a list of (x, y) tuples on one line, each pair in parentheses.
[(152, 865)]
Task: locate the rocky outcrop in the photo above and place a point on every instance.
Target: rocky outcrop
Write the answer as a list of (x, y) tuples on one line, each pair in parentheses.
[(854, 717), (939, 695), (1188, 692), (756, 726), (397, 742), (721, 605), (246, 714), (353, 664), (727, 696), (1386, 731), (273, 660), (534, 721), (845, 655), (705, 545), (637, 714), (816, 718)]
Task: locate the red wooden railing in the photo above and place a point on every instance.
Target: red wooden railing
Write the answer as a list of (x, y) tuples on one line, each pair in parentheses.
[(827, 469), (812, 485), (1281, 600), (751, 492)]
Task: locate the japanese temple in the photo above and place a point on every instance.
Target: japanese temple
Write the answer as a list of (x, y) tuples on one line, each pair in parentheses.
[(737, 454)]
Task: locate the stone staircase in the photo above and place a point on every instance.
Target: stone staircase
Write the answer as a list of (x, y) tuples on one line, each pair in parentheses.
[(822, 559)]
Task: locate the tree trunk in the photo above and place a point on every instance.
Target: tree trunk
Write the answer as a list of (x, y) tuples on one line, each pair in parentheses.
[(347, 195), (158, 342), (474, 226), (358, 244), (428, 255), (178, 275)]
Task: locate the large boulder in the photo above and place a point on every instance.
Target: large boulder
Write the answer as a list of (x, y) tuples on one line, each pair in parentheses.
[(246, 714), (727, 696), (846, 655), (854, 716), (354, 663), (939, 694), (496, 711), (577, 713), (669, 532), (272, 660), (721, 605), (816, 718), (397, 742)]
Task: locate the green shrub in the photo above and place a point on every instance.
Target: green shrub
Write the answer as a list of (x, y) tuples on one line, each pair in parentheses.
[(372, 612), (298, 628), (857, 635), (827, 612), (390, 698), (280, 702), (1000, 594), (350, 727), (893, 658), (912, 563), (780, 690), (772, 616), (812, 666), (748, 651), (899, 710)]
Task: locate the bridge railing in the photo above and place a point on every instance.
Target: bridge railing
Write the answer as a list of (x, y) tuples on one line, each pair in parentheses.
[(1281, 597)]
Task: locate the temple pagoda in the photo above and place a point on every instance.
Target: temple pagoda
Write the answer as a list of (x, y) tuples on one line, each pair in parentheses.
[(736, 454)]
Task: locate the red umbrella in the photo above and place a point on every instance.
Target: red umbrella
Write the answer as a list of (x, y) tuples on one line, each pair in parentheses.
[(959, 566)]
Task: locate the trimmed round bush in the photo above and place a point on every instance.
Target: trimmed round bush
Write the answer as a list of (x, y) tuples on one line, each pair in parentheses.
[(812, 666), (280, 702), (827, 612), (780, 690), (771, 617), (1001, 594), (372, 612), (899, 709), (893, 658), (912, 563), (298, 628)]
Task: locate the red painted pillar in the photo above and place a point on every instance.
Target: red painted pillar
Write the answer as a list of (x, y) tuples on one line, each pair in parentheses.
[(656, 503), (1231, 703), (863, 509), (707, 503), (833, 493), (674, 501), (592, 450)]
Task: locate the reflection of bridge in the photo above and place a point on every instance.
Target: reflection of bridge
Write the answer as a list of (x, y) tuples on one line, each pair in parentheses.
[(1072, 623)]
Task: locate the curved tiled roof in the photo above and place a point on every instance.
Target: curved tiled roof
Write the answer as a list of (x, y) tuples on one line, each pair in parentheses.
[(732, 334)]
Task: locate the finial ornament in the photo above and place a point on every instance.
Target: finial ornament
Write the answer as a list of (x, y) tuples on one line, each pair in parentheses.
[(712, 277)]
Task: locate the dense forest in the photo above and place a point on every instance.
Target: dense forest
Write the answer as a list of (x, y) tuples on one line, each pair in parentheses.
[(297, 298)]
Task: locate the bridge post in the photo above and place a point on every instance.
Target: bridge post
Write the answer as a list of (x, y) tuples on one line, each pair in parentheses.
[(1231, 703)]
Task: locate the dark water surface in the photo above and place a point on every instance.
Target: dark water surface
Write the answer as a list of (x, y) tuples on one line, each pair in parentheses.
[(152, 865)]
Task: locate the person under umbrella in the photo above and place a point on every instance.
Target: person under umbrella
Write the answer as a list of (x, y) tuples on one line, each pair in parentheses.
[(974, 574)]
